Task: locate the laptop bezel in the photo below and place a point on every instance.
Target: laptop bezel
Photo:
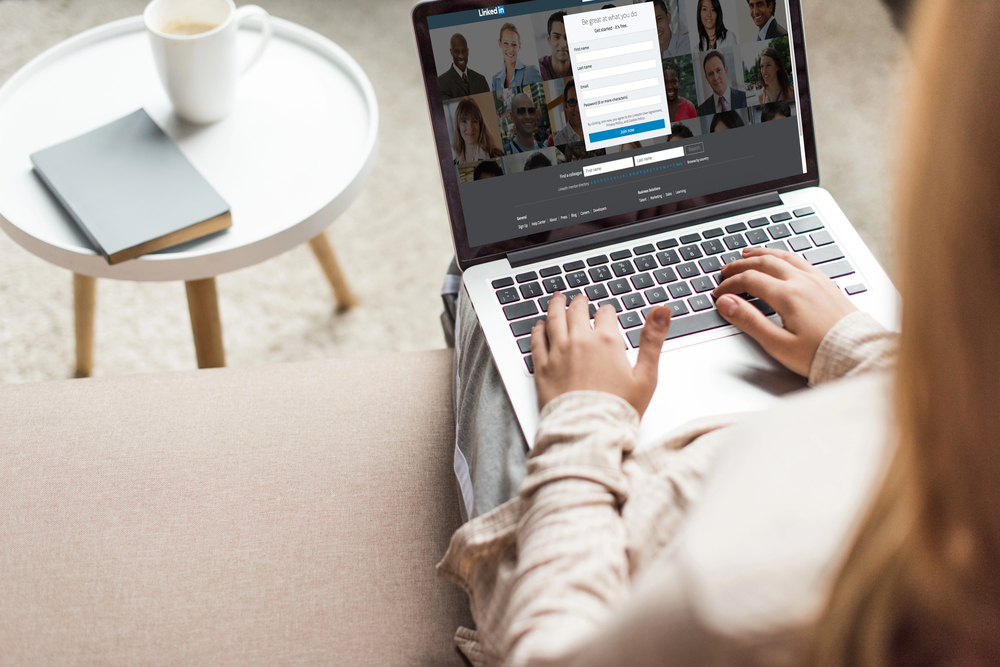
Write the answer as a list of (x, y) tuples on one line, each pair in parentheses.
[(468, 256)]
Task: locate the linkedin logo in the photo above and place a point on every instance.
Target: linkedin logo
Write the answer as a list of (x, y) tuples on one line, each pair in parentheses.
[(493, 11)]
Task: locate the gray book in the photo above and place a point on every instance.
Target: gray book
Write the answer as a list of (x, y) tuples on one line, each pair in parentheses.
[(130, 189)]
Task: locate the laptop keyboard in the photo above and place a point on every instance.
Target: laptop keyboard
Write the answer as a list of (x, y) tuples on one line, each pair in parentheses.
[(678, 272)]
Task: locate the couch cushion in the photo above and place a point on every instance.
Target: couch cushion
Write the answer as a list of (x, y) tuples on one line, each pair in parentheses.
[(271, 515)]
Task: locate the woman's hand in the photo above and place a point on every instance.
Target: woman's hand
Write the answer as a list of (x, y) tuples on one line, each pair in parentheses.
[(570, 356), (808, 302)]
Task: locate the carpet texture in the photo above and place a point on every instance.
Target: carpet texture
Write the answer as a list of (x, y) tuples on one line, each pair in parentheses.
[(394, 242)]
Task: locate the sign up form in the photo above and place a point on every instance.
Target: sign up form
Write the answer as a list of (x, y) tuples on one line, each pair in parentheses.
[(618, 74)]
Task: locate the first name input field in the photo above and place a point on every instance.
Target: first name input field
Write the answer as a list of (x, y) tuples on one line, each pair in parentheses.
[(612, 51)]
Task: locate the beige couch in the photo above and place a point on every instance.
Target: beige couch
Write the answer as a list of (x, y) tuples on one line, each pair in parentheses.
[(288, 514)]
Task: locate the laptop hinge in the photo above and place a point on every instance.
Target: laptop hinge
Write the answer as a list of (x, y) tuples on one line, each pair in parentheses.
[(644, 228)]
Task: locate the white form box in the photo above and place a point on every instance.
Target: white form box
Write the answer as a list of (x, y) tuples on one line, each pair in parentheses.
[(608, 167), (618, 75)]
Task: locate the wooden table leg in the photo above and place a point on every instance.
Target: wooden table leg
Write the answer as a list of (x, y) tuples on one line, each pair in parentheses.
[(203, 303), (323, 250), (84, 304)]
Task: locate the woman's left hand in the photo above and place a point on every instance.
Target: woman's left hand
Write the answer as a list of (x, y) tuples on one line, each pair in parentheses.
[(570, 356)]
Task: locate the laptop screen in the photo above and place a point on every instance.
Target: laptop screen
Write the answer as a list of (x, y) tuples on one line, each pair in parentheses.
[(559, 117)]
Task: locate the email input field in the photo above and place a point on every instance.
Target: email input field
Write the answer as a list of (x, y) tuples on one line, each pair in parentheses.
[(592, 93), (612, 51)]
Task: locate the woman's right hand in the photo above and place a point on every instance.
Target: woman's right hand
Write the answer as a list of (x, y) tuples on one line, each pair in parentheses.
[(808, 302)]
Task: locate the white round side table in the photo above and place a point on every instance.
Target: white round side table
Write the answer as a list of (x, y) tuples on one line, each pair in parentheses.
[(294, 153)]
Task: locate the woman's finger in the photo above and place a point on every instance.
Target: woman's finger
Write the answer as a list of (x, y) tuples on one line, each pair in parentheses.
[(751, 321), (555, 325), (792, 258), (606, 320), (769, 264), (654, 332), (578, 316), (755, 283), (539, 345)]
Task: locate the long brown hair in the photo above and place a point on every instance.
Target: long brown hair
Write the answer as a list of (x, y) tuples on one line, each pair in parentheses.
[(468, 109), (922, 582), (787, 90)]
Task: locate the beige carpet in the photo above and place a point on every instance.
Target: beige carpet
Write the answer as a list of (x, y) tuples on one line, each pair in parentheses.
[(394, 241)]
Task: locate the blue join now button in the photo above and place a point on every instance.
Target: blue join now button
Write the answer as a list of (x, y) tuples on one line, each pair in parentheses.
[(620, 132)]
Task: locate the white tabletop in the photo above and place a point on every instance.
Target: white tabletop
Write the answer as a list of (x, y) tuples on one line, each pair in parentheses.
[(293, 154)]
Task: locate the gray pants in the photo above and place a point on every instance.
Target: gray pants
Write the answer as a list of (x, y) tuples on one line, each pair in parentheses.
[(490, 449)]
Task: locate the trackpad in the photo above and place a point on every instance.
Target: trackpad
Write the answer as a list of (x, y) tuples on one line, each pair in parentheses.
[(731, 374)]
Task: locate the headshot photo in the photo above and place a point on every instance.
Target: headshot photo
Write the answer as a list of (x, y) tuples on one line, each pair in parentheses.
[(773, 111), (564, 112), (726, 120), (684, 129), (524, 122), (713, 24), (719, 89), (678, 81), (761, 20), (459, 80), (517, 56), (767, 70), (478, 171), (474, 129), (545, 157), (672, 41), (553, 50)]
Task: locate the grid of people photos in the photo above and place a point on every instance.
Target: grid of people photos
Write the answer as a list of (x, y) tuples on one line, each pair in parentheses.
[(511, 103)]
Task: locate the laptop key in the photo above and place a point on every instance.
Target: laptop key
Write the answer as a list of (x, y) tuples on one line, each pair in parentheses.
[(779, 231), (600, 273), (800, 212), (600, 259), (523, 327), (595, 292), (799, 243), (642, 281), (806, 225), (531, 290), (656, 295), (507, 295), (836, 269), (667, 243), (680, 289), (735, 227), (577, 279), (687, 270), (619, 286), (777, 245), (730, 257), (502, 282), (623, 268), (645, 263), (856, 289), (713, 233), (553, 284), (668, 257), (570, 295), (524, 344), (550, 271), (700, 302), (762, 306), (756, 236), (710, 264), (821, 238), (735, 242), (759, 222), (781, 217), (666, 275), (621, 254), (643, 249), (717, 277), (629, 320), (525, 277), (530, 364), (702, 284), (689, 252), (518, 310), (690, 238), (611, 302), (678, 308), (634, 300), (704, 321), (573, 266), (824, 254), (712, 247)]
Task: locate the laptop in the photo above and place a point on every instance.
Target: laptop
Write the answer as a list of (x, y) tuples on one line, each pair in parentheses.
[(627, 151)]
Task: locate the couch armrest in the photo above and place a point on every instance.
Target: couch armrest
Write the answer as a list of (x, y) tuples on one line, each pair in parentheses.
[(271, 515)]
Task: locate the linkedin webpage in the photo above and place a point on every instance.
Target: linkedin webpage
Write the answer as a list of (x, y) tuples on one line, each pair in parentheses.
[(559, 115)]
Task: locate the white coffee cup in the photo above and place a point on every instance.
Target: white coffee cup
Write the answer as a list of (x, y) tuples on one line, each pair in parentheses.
[(199, 69)]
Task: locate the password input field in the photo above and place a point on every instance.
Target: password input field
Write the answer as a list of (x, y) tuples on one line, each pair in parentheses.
[(592, 93), (659, 156), (591, 75), (623, 106), (608, 167), (612, 51)]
